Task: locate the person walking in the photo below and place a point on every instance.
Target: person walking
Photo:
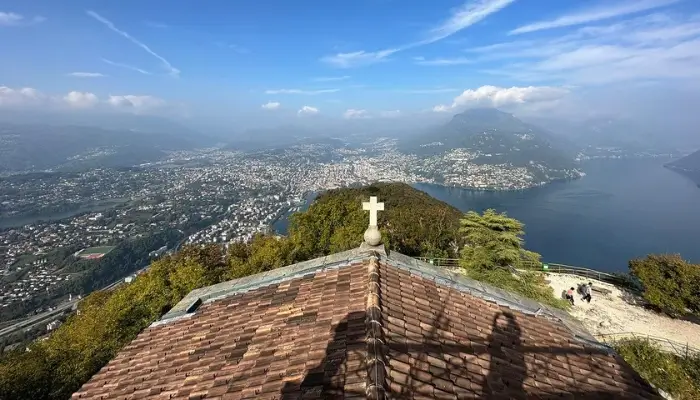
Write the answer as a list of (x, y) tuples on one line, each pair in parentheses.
[(587, 292)]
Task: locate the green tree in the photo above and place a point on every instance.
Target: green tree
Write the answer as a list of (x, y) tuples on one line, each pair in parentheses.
[(670, 283), (413, 223), (493, 240)]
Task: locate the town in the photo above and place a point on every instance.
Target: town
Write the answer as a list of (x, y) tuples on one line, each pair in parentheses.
[(211, 195)]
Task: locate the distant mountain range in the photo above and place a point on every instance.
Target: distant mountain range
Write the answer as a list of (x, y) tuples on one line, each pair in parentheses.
[(25, 147), (498, 138), (688, 166)]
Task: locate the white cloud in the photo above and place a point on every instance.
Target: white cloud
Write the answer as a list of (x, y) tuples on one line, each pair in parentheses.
[(332, 78), (651, 47), (171, 70), (428, 91), (390, 114), (308, 110), (81, 99), (127, 66), (358, 58), (465, 16), (438, 62), (14, 19), (32, 98), (461, 18), (495, 96), (87, 74), (135, 102), (355, 114), (272, 105), (20, 97), (300, 91), (595, 14)]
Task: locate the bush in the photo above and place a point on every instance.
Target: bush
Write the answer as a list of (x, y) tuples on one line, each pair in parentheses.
[(529, 284), (414, 223), (678, 376), (670, 283)]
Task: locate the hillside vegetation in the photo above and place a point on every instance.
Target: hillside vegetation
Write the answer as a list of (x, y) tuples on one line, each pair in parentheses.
[(490, 246)]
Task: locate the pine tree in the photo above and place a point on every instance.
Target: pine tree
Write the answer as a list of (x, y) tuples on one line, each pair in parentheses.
[(493, 240)]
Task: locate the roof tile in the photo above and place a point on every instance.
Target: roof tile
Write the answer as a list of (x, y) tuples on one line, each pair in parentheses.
[(315, 330)]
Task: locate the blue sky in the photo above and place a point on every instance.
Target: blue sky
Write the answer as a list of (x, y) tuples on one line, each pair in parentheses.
[(280, 60)]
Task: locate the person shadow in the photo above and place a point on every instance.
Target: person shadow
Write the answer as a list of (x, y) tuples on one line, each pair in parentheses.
[(507, 369), (334, 377)]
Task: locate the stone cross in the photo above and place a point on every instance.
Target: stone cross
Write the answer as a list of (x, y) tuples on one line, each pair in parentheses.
[(372, 206)]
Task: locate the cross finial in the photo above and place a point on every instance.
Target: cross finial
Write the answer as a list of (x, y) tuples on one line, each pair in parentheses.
[(372, 206)]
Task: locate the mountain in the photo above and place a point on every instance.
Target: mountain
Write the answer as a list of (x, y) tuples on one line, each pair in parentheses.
[(688, 166), (612, 132), (492, 137), (36, 147)]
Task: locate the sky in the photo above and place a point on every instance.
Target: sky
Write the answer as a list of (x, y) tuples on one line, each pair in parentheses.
[(258, 62)]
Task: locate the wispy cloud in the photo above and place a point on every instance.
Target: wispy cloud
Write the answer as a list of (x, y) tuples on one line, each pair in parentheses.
[(14, 19), (464, 17), (442, 62), (171, 70), (300, 91), (332, 78), (273, 105), (428, 91), (358, 58), (127, 66), (461, 18), (600, 13), (356, 114), (308, 110), (87, 75), (650, 47)]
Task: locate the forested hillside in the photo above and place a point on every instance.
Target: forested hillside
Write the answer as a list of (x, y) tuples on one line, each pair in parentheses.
[(490, 246), (414, 223)]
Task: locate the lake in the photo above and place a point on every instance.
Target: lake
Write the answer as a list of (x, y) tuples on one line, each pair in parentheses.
[(620, 210)]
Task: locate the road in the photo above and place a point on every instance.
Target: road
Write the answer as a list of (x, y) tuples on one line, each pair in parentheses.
[(47, 316)]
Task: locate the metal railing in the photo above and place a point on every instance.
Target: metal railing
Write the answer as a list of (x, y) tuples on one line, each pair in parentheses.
[(544, 267), (669, 346), (440, 262)]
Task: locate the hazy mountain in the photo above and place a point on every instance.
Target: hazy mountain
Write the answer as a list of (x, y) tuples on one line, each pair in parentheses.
[(25, 147), (498, 137), (688, 166), (118, 121), (612, 132)]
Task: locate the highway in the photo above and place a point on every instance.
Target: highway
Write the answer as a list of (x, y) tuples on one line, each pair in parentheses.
[(47, 316)]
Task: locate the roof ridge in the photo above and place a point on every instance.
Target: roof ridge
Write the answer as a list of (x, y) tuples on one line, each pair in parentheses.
[(375, 358)]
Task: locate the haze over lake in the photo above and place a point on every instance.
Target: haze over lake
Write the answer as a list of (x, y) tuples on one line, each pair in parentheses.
[(621, 210)]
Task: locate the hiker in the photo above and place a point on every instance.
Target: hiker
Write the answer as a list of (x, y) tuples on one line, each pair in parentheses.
[(587, 292), (570, 295)]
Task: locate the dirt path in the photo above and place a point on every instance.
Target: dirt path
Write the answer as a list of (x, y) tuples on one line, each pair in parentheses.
[(611, 313)]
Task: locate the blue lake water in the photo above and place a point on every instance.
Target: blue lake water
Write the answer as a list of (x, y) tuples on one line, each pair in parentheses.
[(620, 210)]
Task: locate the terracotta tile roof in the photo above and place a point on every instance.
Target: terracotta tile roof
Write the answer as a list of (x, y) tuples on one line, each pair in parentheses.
[(363, 327)]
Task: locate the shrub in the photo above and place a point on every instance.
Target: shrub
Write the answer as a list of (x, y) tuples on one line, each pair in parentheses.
[(529, 284), (675, 375), (670, 283)]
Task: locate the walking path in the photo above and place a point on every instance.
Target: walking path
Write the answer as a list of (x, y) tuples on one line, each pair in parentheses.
[(611, 313)]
